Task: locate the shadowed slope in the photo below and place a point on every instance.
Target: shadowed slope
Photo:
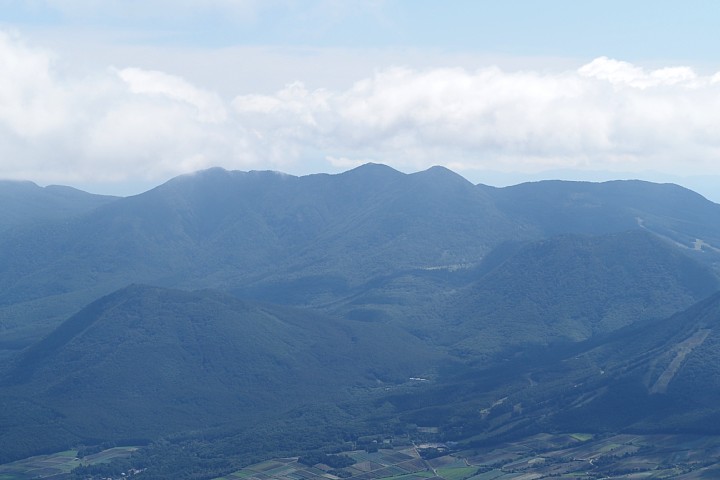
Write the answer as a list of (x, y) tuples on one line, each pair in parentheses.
[(144, 362)]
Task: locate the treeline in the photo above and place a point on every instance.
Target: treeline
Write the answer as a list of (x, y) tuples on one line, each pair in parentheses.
[(316, 432), (332, 461)]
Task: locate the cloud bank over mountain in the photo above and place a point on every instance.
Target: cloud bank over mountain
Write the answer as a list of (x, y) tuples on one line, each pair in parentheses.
[(128, 122)]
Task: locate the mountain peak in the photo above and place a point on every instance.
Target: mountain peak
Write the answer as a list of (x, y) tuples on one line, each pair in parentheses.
[(438, 173), (372, 170), (18, 184)]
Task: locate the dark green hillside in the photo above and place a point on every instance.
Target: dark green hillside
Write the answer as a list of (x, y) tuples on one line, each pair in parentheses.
[(651, 377), (565, 288), (607, 385), (668, 210), (25, 203), (573, 287), (664, 376), (144, 362), (428, 220)]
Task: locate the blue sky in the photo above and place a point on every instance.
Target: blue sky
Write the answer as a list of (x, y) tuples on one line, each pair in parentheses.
[(116, 96), (632, 30)]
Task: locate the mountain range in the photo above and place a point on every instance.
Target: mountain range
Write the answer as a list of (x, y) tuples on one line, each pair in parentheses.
[(226, 301)]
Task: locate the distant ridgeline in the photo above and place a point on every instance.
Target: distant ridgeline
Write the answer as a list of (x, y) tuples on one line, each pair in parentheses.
[(244, 315)]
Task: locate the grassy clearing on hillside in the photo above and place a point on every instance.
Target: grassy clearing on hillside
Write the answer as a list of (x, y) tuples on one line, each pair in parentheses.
[(43, 466)]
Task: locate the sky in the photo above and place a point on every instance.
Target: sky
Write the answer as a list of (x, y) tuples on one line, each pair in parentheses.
[(117, 96)]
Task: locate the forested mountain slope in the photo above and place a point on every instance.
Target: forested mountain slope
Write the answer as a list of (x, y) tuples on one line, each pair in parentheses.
[(667, 210), (651, 377), (564, 288), (145, 361)]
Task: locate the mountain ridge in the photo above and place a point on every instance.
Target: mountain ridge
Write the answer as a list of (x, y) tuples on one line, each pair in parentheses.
[(24, 203), (248, 230)]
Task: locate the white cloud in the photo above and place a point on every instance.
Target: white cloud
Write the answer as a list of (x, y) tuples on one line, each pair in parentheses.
[(112, 125), (209, 106), (627, 74), (607, 114), (30, 102), (130, 122)]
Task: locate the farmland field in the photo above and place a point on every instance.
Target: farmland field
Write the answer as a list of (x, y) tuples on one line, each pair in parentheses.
[(578, 456), (541, 456), (49, 466)]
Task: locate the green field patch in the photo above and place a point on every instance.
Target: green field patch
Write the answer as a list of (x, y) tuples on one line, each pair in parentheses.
[(448, 462), (264, 466), (58, 463), (609, 447), (363, 456), (16, 476), (496, 457), (412, 466), (66, 453), (241, 474), (47, 472), (394, 458), (390, 471), (308, 474), (365, 476), (367, 466), (278, 470), (359, 456), (59, 460), (457, 473), (582, 437), (108, 455), (236, 475), (410, 476), (40, 466), (491, 475)]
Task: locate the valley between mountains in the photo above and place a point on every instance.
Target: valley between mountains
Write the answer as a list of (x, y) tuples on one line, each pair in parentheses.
[(227, 317)]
